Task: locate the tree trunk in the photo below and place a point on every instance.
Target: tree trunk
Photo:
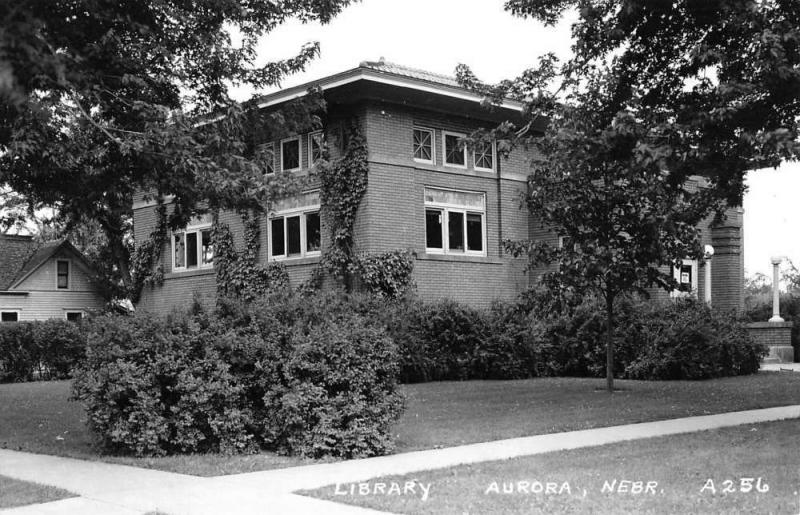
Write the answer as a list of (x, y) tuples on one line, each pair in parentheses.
[(610, 343)]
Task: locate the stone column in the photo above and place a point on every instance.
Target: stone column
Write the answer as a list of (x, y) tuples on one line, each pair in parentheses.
[(727, 274), (709, 252), (776, 293)]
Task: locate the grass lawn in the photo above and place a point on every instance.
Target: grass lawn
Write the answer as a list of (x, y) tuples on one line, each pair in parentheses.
[(38, 418), (19, 493), (678, 469)]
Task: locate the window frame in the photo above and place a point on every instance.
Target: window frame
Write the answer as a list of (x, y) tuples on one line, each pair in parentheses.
[(198, 228), (433, 145), (444, 150), (494, 159), (675, 272), (261, 149), (302, 212), (17, 312), (445, 209), (299, 154), (321, 141), (68, 312), (69, 274)]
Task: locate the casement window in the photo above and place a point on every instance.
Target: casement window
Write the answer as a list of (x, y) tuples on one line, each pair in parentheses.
[(685, 272), (455, 153), (455, 222), (73, 316), (290, 154), (62, 274), (265, 155), (294, 227), (484, 157), (192, 248), (423, 145), (316, 146), (9, 316)]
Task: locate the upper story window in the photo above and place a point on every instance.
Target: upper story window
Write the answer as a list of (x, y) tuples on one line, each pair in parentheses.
[(455, 153), (484, 157), (192, 248), (423, 145), (290, 154), (9, 316), (265, 154), (62, 274), (455, 222), (294, 227), (316, 146)]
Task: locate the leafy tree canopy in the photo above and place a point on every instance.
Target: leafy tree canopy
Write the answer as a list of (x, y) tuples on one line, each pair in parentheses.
[(101, 99)]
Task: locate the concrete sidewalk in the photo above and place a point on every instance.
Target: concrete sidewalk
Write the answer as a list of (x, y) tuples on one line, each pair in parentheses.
[(118, 489)]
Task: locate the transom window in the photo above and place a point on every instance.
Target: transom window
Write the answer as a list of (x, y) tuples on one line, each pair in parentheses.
[(455, 153), (290, 154), (423, 145), (192, 248), (484, 157), (62, 274), (455, 222), (9, 316), (265, 154), (316, 145), (294, 227)]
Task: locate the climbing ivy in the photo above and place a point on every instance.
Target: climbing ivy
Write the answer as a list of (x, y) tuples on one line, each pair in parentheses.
[(147, 254), (239, 274)]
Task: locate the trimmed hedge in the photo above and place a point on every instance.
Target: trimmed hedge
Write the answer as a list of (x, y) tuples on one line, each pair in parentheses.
[(304, 376), (39, 350)]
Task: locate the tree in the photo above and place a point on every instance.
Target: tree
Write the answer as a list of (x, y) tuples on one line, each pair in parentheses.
[(657, 92), (99, 100)]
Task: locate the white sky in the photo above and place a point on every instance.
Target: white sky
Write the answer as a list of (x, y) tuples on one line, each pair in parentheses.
[(436, 35)]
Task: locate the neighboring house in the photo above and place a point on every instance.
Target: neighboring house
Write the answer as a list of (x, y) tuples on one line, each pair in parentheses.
[(451, 206), (39, 281)]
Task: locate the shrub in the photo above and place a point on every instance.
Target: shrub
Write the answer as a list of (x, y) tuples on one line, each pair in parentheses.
[(300, 375), (46, 349)]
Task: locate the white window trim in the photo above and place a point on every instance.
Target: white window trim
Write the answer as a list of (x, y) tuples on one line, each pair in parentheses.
[(433, 145), (675, 273), (444, 150), (198, 228), (17, 311), (311, 146), (299, 154), (302, 211), (446, 209), (494, 160), (271, 147), (69, 274)]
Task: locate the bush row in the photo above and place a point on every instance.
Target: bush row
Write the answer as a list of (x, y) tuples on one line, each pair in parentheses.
[(673, 340), (47, 349), (298, 375)]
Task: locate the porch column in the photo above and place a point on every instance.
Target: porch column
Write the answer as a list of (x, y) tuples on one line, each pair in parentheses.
[(776, 300)]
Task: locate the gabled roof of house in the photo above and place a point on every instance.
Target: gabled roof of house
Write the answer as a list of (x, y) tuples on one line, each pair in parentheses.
[(15, 250), (20, 256)]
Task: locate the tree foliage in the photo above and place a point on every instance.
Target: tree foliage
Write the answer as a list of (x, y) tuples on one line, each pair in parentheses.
[(656, 93), (99, 100)]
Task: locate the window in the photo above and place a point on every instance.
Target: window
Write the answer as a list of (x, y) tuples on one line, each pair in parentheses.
[(454, 222), (265, 154), (294, 227), (423, 145), (484, 157), (192, 248), (685, 272), (316, 146), (455, 153), (290, 154), (74, 316), (62, 274), (9, 316)]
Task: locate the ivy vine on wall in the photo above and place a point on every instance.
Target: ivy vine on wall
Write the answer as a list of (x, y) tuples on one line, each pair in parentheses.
[(144, 271)]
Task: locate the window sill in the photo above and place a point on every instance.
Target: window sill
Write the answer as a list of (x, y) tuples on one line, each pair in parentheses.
[(310, 260), (189, 273), (423, 256)]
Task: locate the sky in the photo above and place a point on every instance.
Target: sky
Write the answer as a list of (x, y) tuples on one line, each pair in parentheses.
[(437, 35)]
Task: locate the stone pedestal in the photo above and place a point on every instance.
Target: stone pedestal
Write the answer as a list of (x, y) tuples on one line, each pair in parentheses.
[(777, 336)]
